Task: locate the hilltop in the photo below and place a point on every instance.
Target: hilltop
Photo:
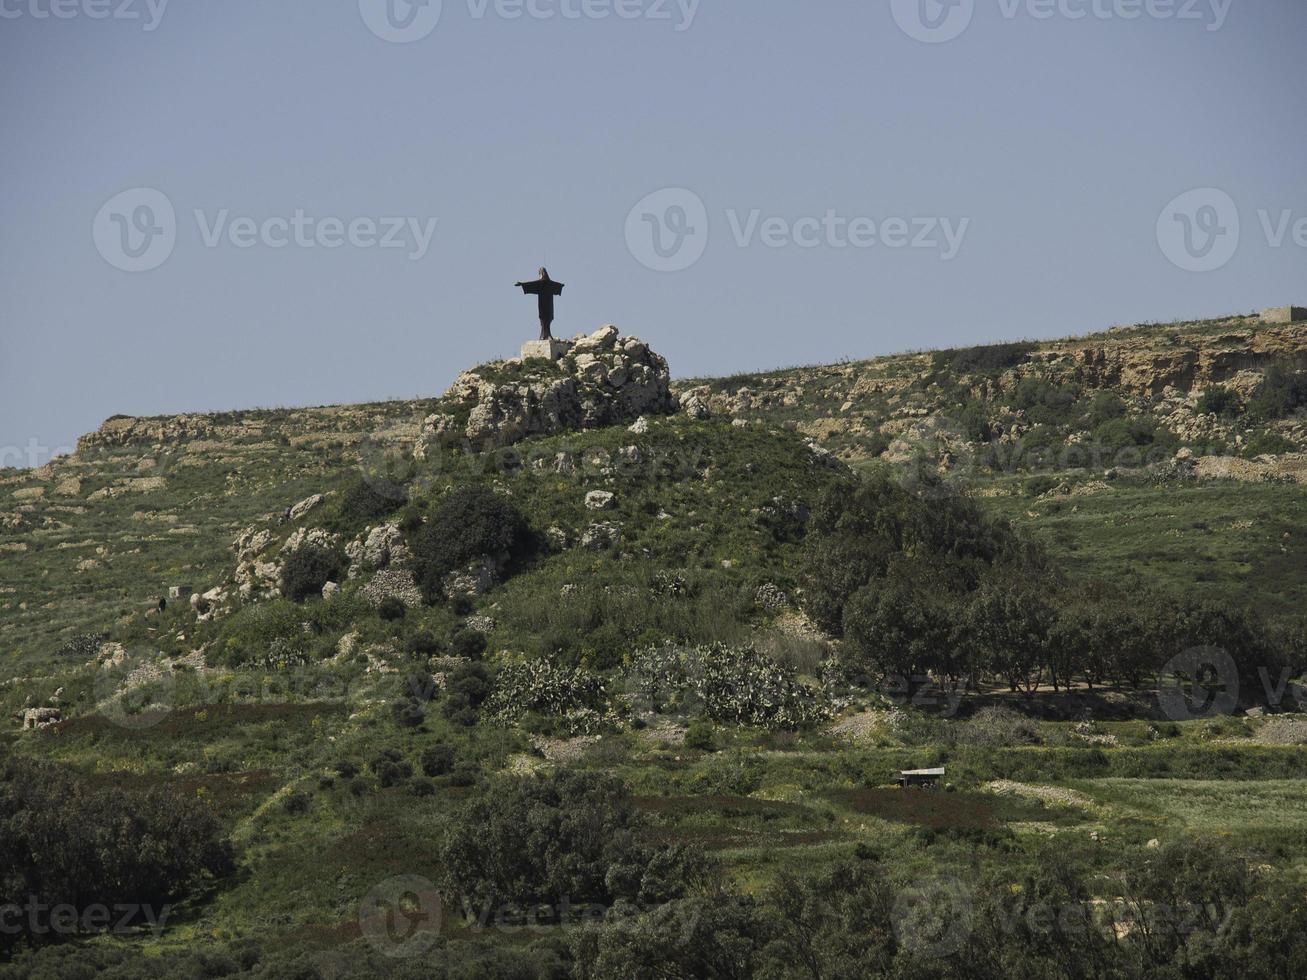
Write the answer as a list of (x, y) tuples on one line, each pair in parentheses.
[(579, 637), (1208, 408)]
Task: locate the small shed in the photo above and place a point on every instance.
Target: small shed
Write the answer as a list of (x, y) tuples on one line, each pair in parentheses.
[(920, 778)]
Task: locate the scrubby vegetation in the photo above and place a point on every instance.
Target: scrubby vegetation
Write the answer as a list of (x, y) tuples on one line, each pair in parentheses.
[(657, 734)]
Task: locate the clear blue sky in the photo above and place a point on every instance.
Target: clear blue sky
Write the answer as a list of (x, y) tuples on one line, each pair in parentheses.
[(1051, 143)]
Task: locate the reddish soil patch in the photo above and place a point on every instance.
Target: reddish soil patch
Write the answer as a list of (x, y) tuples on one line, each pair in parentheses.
[(924, 808)]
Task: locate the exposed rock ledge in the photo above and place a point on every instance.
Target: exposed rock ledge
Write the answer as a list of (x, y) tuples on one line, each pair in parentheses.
[(603, 379)]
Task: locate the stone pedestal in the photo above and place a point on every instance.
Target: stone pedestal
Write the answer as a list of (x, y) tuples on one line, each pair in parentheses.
[(550, 350)]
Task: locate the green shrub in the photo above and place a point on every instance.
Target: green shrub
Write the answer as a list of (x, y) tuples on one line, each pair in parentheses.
[(989, 359), (571, 833), (307, 569), (1219, 400), (1037, 486), (390, 768), (700, 735), (439, 760), (408, 713), (67, 841), (425, 643), (367, 501), (1104, 407), (468, 643), (1282, 392), (1267, 444), (469, 523), (466, 690), (392, 608)]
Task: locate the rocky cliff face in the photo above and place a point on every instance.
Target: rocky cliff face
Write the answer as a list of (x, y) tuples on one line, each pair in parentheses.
[(603, 379), (1150, 365), (1160, 372)]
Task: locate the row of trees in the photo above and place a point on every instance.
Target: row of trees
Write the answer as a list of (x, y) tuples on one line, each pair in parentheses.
[(1188, 910), (926, 583), (69, 847)]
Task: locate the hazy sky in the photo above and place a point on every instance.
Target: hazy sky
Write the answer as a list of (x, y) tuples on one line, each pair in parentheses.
[(825, 179)]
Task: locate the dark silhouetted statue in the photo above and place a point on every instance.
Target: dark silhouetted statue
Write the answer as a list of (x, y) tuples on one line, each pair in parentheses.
[(546, 289)]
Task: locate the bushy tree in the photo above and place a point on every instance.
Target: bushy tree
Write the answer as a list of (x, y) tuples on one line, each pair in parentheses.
[(467, 688), (893, 626), (439, 760), (568, 835), (1008, 629), (1282, 392), (307, 569), (365, 501), (64, 841), (471, 522)]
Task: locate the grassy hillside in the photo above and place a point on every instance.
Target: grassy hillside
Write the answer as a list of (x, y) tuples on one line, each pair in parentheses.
[(660, 612)]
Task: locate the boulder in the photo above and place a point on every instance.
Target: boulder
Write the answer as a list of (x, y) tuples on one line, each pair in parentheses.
[(393, 583), (472, 581), (251, 543), (600, 500), (694, 403), (306, 505), (602, 535), (481, 624), (380, 547)]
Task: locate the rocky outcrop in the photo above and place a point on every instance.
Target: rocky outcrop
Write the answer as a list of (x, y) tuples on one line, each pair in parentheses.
[(472, 581), (393, 583), (601, 535), (603, 379), (378, 548), (1148, 366)]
